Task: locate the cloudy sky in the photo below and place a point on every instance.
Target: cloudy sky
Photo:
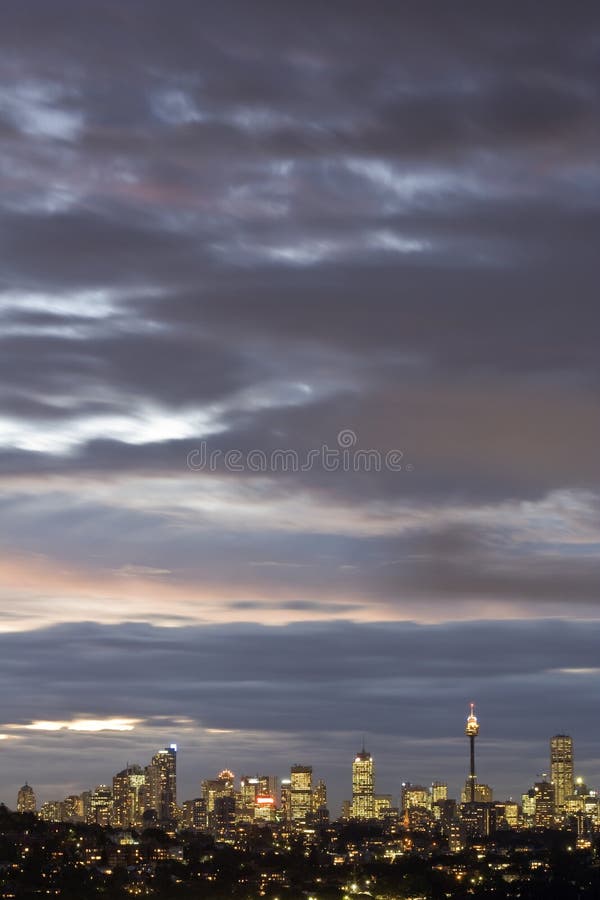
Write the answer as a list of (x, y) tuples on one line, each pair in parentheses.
[(250, 227)]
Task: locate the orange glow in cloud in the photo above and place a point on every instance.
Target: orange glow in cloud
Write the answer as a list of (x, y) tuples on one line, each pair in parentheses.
[(37, 593)]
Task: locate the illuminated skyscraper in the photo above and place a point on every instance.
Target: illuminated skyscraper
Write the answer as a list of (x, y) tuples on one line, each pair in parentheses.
[(285, 790), (194, 814), (439, 797), (415, 796), (363, 786), (51, 811), (249, 789), (257, 794), (161, 777), (73, 808), (26, 799), (300, 793), (561, 768), (320, 796), (472, 730), (483, 792), (511, 813), (528, 808), (264, 808), (100, 806), (129, 797), (382, 804), (223, 786), (439, 791), (476, 819), (269, 785), (544, 804)]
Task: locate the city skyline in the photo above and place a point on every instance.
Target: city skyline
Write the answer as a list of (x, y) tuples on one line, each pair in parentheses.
[(145, 797), (416, 730), (363, 783), (299, 383)]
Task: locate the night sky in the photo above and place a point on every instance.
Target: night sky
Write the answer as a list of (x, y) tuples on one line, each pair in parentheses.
[(250, 226)]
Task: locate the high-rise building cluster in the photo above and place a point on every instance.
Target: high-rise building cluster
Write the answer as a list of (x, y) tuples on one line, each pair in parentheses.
[(138, 796), (146, 796)]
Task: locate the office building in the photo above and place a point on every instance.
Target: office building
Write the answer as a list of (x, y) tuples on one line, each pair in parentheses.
[(439, 791), (511, 814), (284, 801), (161, 781), (194, 814), (223, 786), (363, 786), (100, 806), (51, 811), (26, 802), (129, 797), (476, 819), (382, 805), (300, 794), (483, 792), (544, 804), (73, 809), (320, 796), (415, 796), (561, 769)]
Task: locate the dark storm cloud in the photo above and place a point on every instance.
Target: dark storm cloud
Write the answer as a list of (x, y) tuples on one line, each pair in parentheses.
[(491, 439), (201, 670), (83, 249), (475, 562), (191, 160), (181, 368), (513, 320)]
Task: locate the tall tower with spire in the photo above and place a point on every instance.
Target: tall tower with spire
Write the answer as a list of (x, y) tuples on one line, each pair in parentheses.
[(472, 730)]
